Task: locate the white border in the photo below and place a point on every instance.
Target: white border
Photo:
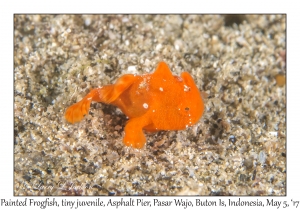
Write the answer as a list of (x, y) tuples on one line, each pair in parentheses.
[(7, 9)]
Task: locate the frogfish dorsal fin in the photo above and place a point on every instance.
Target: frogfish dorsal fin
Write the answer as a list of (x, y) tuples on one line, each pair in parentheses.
[(163, 71)]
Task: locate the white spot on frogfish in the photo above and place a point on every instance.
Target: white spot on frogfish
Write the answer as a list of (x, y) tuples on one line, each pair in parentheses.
[(145, 105), (186, 88), (143, 84)]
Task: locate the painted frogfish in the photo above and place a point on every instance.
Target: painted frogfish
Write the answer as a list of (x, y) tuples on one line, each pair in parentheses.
[(152, 102)]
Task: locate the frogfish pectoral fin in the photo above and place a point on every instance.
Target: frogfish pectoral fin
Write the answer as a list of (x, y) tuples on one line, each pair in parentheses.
[(77, 111), (120, 86), (134, 136)]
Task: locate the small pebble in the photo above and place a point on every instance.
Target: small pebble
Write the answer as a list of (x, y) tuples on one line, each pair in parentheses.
[(262, 157), (280, 80)]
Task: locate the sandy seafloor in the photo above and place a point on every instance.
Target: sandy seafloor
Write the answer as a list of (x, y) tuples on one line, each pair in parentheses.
[(237, 148)]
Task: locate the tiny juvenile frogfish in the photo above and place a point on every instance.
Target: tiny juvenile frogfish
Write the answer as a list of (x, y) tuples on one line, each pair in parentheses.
[(152, 102)]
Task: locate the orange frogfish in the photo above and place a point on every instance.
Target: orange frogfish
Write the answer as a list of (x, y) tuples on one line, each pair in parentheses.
[(152, 102)]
